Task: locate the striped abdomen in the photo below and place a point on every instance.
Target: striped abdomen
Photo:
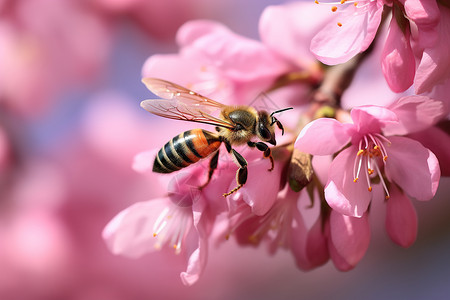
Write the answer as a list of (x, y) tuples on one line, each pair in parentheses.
[(185, 149)]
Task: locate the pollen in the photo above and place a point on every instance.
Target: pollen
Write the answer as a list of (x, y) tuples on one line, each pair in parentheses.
[(385, 158), (334, 8), (370, 171), (343, 1), (355, 4), (387, 197), (369, 188), (155, 234), (339, 24), (316, 2), (361, 151), (355, 180)]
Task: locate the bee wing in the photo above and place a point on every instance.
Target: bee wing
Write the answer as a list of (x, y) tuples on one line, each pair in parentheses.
[(180, 103)]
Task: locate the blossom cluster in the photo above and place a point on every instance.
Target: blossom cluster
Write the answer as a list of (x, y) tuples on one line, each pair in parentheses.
[(340, 152)]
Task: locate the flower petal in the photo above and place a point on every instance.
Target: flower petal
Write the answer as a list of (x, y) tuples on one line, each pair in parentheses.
[(298, 23), (322, 136), (337, 44), (371, 118), (434, 66), (415, 113), (398, 62), (413, 167), (130, 233), (350, 238), (341, 192), (401, 219), (261, 189), (438, 141)]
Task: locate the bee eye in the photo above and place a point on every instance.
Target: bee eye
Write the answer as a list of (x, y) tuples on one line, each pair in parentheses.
[(264, 132)]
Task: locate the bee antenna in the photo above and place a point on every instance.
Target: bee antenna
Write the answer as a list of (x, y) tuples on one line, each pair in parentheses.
[(280, 110)]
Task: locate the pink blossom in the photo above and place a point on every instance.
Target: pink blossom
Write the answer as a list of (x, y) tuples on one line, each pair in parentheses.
[(412, 46), (350, 32), (174, 221), (370, 153), (218, 61), (297, 21), (283, 226)]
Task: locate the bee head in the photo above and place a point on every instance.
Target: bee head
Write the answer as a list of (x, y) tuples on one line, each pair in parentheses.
[(265, 126)]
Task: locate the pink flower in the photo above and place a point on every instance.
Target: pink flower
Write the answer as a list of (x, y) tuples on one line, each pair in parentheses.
[(283, 226), (349, 33), (371, 154), (175, 222), (216, 60), (412, 52), (297, 21)]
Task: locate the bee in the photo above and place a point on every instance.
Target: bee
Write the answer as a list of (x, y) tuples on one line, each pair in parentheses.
[(236, 125)]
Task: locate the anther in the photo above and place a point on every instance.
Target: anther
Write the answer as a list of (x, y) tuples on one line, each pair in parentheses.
[(316, 2), (369, 189), (356, 179), (370, 171), (339, 24), (361, 151), (334, 8)]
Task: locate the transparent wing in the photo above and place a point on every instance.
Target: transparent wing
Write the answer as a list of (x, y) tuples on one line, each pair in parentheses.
[(180, 103)]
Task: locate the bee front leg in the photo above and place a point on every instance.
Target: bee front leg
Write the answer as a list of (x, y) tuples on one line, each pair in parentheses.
[(267, 153), (241, 173)]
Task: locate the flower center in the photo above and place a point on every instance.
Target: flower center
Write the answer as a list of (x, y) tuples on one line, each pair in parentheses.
[(371, 152), (171, 226)]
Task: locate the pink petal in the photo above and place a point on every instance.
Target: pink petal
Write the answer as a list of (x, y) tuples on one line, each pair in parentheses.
[(130, 233), (434, 66), (341, 192), (261, 189), (239, 58), (415, 113), (401, 218), (424, 17), (350, 238), (371, 118), (413, 167), (438, 142), (398, 61), (298, 21), (322, 136), (198, 254), (335, 45), (309, 247)]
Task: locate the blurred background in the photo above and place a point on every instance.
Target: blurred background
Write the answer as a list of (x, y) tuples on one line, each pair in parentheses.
[(70, 125)]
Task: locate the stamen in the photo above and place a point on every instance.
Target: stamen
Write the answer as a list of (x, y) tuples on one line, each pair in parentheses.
[(316, 2), (382, 182), (339, 24), (334, 8)]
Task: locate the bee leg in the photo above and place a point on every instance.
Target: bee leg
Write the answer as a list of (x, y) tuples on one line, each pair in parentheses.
[(241, 173), (267, 153), (212, 167)]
